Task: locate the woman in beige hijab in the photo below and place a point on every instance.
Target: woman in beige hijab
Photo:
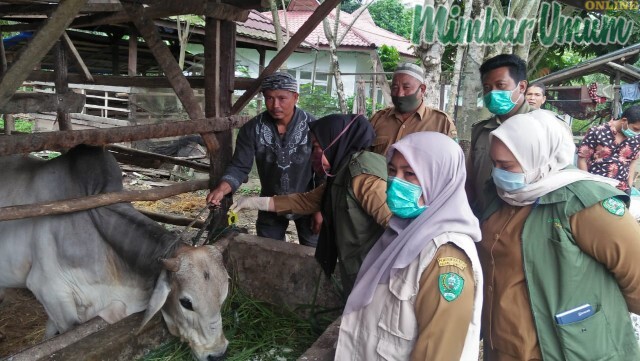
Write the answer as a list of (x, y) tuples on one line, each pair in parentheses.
[(559, 252)]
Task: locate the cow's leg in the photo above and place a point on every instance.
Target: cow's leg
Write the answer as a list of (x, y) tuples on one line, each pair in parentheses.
[(50, 330), (58, 301), (1, 295)]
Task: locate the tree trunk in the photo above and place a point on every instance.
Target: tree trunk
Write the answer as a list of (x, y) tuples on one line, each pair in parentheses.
[(470, 83), (333, 36), (183, 39), (431, 56), (529, 11), (276, 23), (457, 66)]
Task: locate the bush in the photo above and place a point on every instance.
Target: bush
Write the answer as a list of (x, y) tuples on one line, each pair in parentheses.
[(22, 125), (317, 101)]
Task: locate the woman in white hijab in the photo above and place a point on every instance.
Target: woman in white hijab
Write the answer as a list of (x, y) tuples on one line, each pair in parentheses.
[(418, 293), (559, 252)]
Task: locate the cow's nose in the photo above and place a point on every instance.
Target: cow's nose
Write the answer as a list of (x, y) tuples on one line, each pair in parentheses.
[(215, 358)]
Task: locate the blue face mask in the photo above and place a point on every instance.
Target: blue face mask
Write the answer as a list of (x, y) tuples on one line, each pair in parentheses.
[(499, 101), (507, 181), (403, 198), (628, 132)]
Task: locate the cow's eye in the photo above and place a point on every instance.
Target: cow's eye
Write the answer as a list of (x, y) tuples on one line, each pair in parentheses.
[(186, 303)]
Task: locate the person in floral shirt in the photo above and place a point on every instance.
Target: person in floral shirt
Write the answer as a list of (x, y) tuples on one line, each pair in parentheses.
[(612, 149)]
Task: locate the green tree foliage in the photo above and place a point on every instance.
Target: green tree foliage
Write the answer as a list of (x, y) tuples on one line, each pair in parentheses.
[(392, 15), (389, 56), (317, 102), (350, 6)]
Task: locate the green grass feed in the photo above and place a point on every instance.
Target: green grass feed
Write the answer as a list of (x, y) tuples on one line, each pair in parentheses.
[(256, 331)]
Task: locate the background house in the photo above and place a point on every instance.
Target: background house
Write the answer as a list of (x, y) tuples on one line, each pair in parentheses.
[(354, 54)]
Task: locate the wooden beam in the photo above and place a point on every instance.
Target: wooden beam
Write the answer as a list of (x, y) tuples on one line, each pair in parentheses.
[(196, 82), (169, 66), (25, 143), (624, 70), (39, 45), (62, 85), (166, 8), (312, 22), (163, 158), (41, 102), (31, 9), (77, 58), (98, 200)]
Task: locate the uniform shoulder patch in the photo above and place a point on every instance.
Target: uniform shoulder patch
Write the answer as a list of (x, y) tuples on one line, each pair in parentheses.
[(450, 285), (614, 206), (452, 261)]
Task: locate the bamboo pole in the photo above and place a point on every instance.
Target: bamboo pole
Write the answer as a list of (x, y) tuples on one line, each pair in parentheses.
[(98, 200)]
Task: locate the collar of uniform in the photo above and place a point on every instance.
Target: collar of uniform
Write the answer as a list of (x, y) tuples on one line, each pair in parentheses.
[(421, 112), (495, 122)]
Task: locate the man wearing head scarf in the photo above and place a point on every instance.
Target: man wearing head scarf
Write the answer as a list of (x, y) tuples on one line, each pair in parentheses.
[(559, 252), (279, 141), (353, 200), (418, 293), (409, 114)]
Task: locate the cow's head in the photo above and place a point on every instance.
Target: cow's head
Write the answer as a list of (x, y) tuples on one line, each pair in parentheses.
[(190, 291)]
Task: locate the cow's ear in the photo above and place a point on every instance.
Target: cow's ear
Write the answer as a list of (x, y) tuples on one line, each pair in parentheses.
[(171, 264), (158, 298)]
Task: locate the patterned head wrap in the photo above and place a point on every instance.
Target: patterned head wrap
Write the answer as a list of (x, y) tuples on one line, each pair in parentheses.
[(280, 81)]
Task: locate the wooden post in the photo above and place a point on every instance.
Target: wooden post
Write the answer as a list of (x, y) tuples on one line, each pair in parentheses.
[(38, 47), (132, 70), (132, 67), (320, 13), (219, 70), (615, 111), (62, 85), (263, 54), (9, 122), (115, 53)]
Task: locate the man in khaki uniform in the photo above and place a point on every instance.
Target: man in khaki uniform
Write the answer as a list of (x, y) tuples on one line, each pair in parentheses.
[(504, 84), (409, 114)]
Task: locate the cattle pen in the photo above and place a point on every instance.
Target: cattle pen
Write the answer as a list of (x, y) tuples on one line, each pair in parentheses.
[(131, 43)]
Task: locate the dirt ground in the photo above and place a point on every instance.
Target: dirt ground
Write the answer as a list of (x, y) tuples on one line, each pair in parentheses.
[(23, 319)]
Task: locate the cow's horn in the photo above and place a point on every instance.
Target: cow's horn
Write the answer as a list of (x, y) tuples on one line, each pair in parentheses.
[(171, 264)]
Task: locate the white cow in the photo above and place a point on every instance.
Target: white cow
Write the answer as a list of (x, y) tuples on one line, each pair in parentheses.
[(105, 261)]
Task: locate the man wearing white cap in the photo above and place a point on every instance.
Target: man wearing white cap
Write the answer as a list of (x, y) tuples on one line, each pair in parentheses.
[(409, 114)]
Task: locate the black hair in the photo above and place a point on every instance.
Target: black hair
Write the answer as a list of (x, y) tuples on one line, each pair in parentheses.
[(517, 66), (538, 85), (632, 114)]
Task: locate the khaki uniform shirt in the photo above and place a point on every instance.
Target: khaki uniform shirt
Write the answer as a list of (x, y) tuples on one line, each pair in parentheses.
[(479, 163), (507, 322), (390, 127), (369, 190)]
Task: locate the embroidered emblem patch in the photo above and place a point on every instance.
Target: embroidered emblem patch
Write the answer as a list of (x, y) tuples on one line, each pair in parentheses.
[(614, 206), (452, 261), (451, 285)]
